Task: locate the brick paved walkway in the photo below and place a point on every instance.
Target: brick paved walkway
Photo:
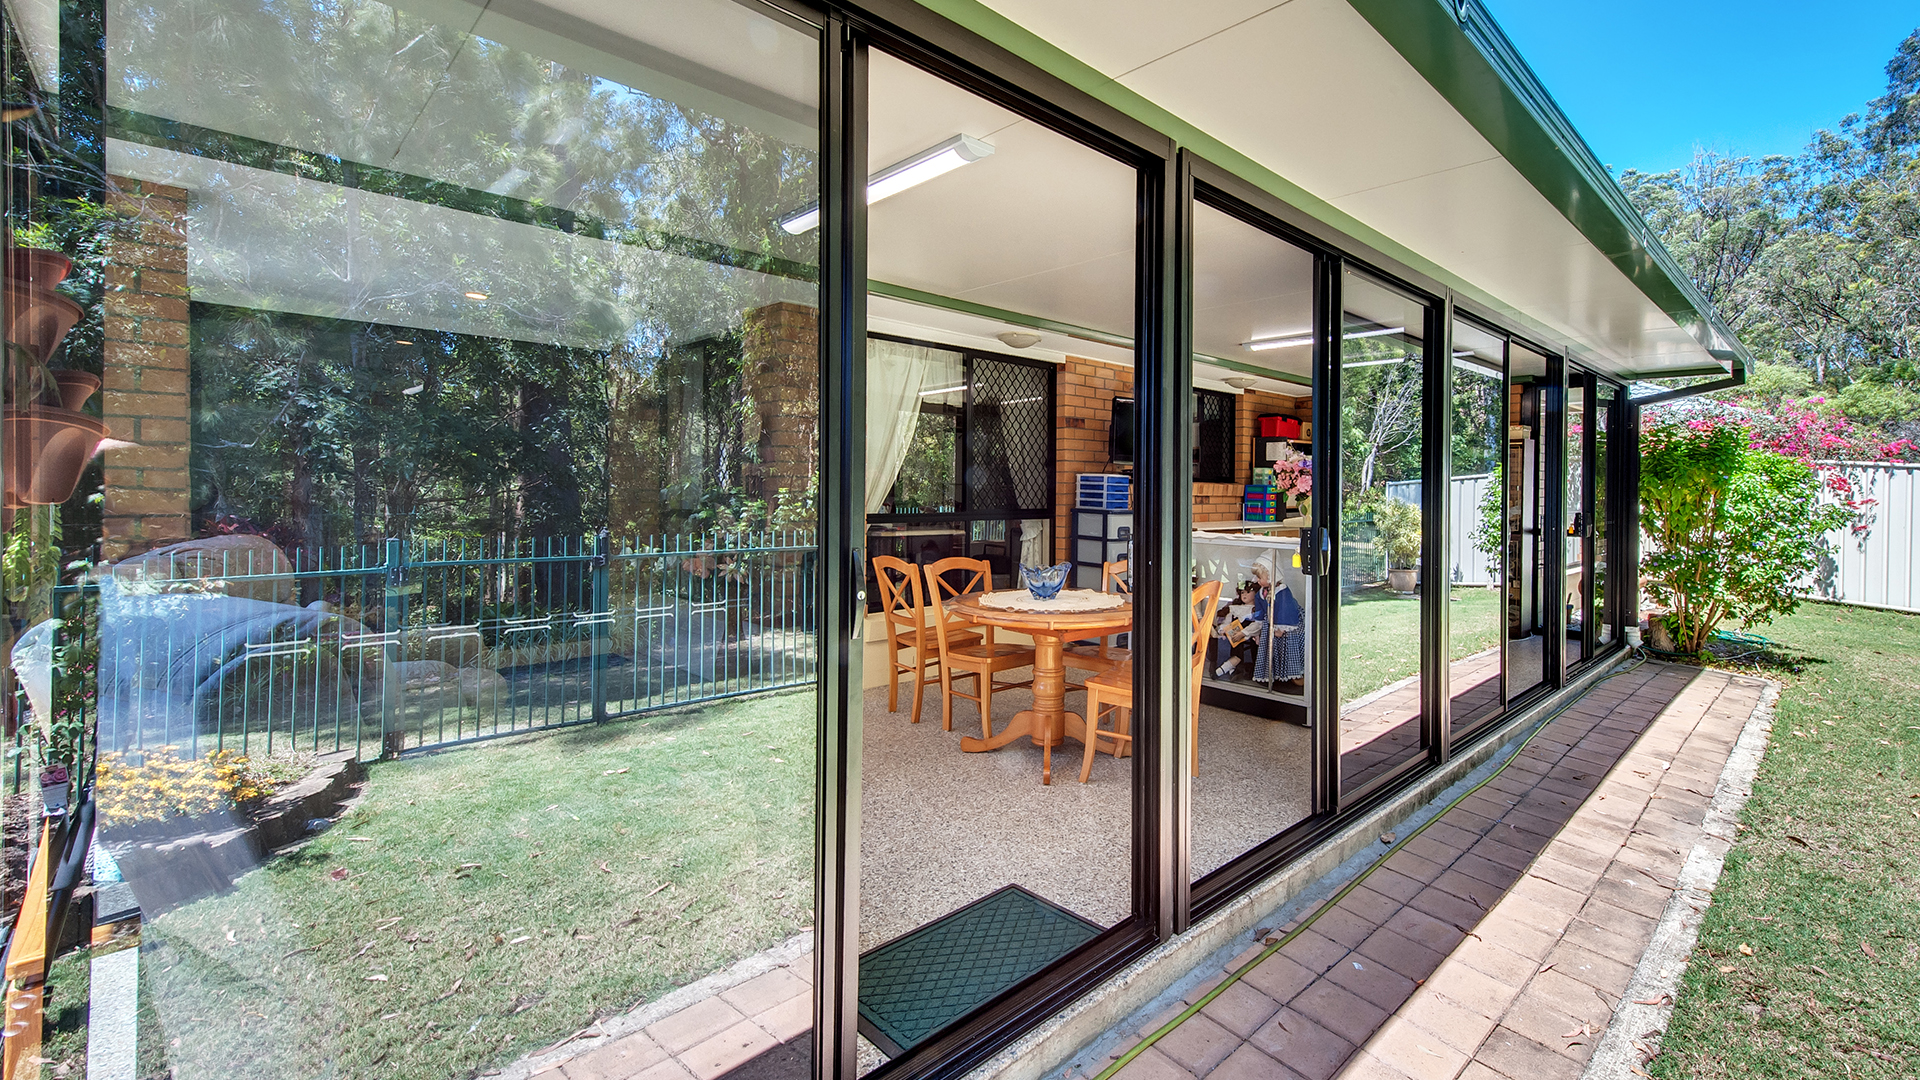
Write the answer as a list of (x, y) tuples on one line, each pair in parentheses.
[(1497, 942)]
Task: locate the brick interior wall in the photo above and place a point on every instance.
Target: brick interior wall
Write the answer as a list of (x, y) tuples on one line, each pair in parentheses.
[(145, 372), (1083, 409)]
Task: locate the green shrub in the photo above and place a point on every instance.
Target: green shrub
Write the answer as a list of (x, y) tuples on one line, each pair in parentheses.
[(1399, 539), (1731, 527)]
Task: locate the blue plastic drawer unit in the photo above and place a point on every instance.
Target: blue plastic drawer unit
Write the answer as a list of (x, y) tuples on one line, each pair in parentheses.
[(1104, 491)]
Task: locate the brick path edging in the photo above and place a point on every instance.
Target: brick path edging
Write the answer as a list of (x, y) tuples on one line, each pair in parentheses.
[(613, 1028), (1657, 976), (1087, 1029)]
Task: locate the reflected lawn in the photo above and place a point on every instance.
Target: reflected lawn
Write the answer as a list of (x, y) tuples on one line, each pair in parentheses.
[(485, 902), (1380, 634)]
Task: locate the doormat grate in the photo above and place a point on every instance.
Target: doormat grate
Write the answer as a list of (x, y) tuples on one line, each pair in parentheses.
[(929, 977)]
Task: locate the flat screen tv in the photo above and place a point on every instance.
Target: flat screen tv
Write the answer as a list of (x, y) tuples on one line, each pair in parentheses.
[(1120, 432)]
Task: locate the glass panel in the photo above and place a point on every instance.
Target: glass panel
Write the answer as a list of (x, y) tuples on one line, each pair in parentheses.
[(1253, 335), (1476, 526), (1381, 491), (457, 655), (1603, 615), (1578, 584), (1529, 589), (953, 755)]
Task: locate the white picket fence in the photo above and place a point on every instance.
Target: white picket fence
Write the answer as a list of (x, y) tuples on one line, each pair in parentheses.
[(1876, 561)]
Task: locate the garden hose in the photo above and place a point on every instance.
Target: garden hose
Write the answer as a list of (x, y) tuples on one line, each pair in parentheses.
[(1330, 902)]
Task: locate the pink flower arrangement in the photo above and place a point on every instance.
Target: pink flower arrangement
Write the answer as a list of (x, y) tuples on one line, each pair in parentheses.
[(1294, 477)]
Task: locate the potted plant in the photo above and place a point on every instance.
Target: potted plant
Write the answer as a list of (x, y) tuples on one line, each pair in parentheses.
[(1398, 541)]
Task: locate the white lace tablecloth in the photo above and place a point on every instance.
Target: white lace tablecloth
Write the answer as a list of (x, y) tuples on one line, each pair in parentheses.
[(1068, 600)]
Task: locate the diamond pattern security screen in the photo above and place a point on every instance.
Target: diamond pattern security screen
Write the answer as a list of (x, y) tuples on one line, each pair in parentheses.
[(1213, 437), (1010, 450)]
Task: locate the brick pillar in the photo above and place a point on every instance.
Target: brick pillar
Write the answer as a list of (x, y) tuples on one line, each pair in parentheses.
[(145, 372), (782, 347)]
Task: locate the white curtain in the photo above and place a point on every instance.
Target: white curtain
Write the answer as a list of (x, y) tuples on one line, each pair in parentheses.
[(896, 374), (1034, 549)]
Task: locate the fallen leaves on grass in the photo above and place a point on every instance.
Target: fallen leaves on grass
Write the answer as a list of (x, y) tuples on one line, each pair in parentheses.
[(1746, 949), (1868, 949), (451, 990), (521, 938), (339, 873), (378, 976), (1726, 969), (616, 772), (604, 867)]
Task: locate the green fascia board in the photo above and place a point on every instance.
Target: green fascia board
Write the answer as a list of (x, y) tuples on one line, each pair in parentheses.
[(1461, 51), (1503, 100)]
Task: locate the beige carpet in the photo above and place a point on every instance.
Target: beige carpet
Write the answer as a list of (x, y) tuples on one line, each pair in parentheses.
[(941, 828)]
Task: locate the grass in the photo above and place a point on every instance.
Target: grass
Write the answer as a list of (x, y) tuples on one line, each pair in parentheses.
[(1380, 634), (1823, 883), (484, 902)]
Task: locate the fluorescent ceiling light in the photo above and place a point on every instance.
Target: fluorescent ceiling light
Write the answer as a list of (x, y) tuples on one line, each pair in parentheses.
[(1460, 360), (943, 390), (1352, 335), (1268, 344), (936, 160), (1376, 363), (475, 295)]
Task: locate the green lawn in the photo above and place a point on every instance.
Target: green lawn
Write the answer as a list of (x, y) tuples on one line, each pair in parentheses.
[(1823, 884), (1380, 634), (487, 901)]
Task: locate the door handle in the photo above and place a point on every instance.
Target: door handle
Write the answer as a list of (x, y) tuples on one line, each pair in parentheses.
[(858, 582)]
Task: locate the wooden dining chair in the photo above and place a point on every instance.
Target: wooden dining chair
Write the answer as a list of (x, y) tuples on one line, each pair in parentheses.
[(907, 630), (959, 659), (1110, 693), (1102, 656)]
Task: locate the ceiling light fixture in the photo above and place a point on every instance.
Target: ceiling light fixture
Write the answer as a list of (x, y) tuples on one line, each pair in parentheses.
[(1353, 335), (1240, 382), (936, 160), (1019, 339), (475, 295), (1376, 363), (943, 390), (1268, 344), (1478, 367), (401, 341)]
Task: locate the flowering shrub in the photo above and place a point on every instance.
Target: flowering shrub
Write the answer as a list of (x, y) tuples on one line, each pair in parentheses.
[(1733, 525), (164, 785)]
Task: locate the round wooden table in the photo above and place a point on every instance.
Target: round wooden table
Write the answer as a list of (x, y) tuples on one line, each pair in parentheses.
[(1048, 723)]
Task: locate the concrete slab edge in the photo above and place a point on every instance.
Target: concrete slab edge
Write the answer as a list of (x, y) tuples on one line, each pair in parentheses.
[(1085, 1032), (610, 1028), (1634, 1033)]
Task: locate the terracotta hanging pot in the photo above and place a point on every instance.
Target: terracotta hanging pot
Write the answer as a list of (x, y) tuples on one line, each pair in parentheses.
[(46, 451), (37, 266), (38, 318), (76, 387)]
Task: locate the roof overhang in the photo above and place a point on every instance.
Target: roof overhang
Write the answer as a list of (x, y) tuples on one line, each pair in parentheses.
[(1410, 126)]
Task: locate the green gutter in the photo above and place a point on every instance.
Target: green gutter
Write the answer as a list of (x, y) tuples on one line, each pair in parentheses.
[(1463, 53), (1481, 76)]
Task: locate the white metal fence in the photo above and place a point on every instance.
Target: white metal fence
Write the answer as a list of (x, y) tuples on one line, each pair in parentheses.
[(1875, 562), (1471, 566)]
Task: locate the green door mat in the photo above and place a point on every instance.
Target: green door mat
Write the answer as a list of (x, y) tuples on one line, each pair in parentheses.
[(927, 978)]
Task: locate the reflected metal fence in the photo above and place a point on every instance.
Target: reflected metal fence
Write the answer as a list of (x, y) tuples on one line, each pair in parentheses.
[(400, 647)]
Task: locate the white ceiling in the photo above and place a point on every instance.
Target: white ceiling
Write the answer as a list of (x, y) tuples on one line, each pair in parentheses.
[(1309, 90)]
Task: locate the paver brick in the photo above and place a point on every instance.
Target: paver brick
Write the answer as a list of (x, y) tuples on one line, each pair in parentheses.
[(1241, 1009), (694, 1024), (1198, 1045), (728, 1050), (1416, 1052), (1514, 1055), (1373, 981), (1279, 978), (1340, 1011), (1296, 1041), (1249, 1063), (616, 1060), (1153, 1065), (1449, 1021), (1409, 958)]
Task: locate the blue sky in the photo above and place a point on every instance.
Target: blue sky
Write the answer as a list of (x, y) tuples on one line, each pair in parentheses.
[(1645, 81)]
